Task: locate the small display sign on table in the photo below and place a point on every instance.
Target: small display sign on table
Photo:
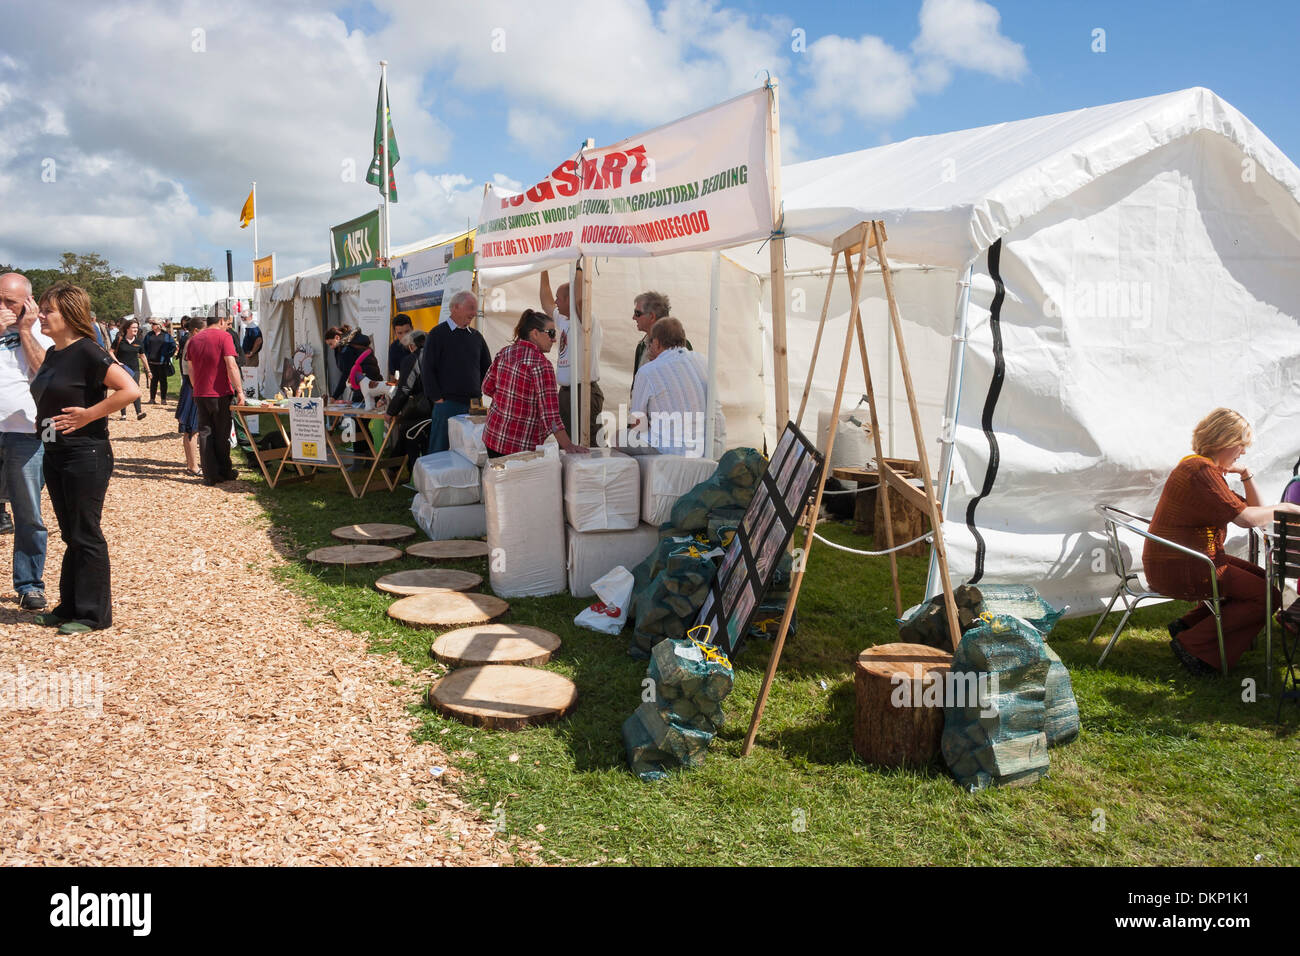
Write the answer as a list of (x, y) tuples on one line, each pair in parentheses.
[(307, 429)]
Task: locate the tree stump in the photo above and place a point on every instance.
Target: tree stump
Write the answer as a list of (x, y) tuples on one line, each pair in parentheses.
[(864, 512), (908, 522), (899, 722)]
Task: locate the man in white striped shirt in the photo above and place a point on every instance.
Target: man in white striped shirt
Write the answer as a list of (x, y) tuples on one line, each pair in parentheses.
[(669, 395)]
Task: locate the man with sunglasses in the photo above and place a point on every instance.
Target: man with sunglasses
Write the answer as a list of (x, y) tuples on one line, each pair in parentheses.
[(647, 309), (22, 350)]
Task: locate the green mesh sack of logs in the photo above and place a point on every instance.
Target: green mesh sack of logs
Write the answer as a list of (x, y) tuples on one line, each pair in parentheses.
[(681, 708), (1001, 737)]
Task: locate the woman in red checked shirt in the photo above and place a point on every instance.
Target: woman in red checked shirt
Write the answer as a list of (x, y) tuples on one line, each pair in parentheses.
[(525, 400)]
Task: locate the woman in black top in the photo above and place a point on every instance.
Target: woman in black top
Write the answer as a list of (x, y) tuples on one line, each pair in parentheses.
[(409, 406), (72, 402), (128, 350)]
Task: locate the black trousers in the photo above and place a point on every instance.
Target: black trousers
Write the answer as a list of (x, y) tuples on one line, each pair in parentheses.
[(76, 474), (157, 379), (214, 438), (597, 403)]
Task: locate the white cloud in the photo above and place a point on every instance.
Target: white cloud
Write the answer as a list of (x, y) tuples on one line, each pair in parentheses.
[(537, 133), (154, 144), (967, 34), (877, 82), (866, 75), (588, 59)]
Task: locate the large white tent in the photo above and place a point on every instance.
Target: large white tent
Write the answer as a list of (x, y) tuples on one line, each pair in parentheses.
[(1135, 264), (175, 300), (1130, 268)]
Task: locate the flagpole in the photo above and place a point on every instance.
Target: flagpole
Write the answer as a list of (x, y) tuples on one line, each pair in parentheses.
[(383, 95), (254, 218)]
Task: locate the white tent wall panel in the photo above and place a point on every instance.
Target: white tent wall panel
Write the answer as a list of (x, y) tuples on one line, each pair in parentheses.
[(684, 278), (307, 330), (1133, 307), (925, 302), (273, 320)]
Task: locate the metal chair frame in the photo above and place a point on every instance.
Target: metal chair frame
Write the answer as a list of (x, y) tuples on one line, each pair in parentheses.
[(1131, 589), (1282, 561)]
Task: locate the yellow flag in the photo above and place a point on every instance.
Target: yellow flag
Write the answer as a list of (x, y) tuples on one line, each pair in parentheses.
[(246, 214)]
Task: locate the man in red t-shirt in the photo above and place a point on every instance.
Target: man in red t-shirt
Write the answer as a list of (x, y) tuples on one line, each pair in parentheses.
[(214, 374)]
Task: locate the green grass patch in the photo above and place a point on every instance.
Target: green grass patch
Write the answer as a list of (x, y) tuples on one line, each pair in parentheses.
[(1182, 770)]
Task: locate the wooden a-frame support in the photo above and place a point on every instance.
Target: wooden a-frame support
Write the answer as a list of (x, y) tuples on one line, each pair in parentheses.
[(856, 242)]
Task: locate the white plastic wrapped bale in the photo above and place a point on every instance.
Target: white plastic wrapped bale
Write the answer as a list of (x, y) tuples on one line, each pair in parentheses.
[(449, 521), (602, 491), (853, 444), (465, 437), (665, 478), (593, 554), (526, 521), (447, 478)]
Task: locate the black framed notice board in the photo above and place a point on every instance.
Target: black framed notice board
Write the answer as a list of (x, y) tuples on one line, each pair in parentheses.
[(751, 560)]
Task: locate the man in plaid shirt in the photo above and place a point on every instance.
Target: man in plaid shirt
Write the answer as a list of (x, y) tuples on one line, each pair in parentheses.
[(521, 383)]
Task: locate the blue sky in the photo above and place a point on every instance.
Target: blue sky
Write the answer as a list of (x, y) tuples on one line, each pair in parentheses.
[(154, 160)]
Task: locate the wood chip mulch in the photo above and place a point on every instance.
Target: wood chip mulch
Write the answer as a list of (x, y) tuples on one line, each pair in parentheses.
[(225, 730)]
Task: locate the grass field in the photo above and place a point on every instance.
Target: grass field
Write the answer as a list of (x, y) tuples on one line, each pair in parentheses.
[(1168, 769)]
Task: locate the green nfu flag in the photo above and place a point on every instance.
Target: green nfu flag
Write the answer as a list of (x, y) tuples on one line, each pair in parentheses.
[(376, 174)]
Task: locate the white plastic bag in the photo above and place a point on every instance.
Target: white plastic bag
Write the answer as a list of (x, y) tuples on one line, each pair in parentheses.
[(608, 613)]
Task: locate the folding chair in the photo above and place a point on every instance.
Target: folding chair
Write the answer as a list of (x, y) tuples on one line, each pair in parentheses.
[(1130, 587), (1282, 562)]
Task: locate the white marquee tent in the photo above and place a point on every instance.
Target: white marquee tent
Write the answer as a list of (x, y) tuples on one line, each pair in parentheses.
[(1135, 264), (175, 300), (1131, 267)]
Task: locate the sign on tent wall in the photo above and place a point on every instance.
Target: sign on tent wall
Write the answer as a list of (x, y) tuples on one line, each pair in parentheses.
[(354, 245), (420, 279)]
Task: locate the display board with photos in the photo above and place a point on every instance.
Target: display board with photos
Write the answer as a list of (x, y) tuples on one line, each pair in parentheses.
[(751, 560)]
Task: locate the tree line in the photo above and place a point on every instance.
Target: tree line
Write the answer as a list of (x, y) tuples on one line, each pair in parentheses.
[(111, 290)]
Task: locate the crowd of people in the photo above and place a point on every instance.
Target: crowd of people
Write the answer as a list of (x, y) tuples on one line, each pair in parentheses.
[(63, 373), (441, 374)]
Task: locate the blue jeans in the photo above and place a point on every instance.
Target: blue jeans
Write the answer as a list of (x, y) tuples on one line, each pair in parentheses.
[(21, 457), (438, 425)]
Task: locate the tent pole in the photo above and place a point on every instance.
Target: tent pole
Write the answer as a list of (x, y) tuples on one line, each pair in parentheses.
[(711, 393), (587, 323), (383, 85), (574, 273), (779, 353), (254, 218), (951, 404)]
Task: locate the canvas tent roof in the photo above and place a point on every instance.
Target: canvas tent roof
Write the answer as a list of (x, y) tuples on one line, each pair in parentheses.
[(945, 198)]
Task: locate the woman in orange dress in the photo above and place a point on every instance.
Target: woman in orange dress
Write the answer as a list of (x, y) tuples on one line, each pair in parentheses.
[(1195, 508)]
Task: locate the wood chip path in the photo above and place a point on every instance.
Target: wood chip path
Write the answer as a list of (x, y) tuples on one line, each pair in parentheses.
[(226, 730)]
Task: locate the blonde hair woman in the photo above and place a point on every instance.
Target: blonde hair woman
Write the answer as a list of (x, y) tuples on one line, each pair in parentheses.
[(72, 401), (1195, 509)]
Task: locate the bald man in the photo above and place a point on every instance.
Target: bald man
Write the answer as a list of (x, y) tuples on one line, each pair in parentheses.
[(22, 350)]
